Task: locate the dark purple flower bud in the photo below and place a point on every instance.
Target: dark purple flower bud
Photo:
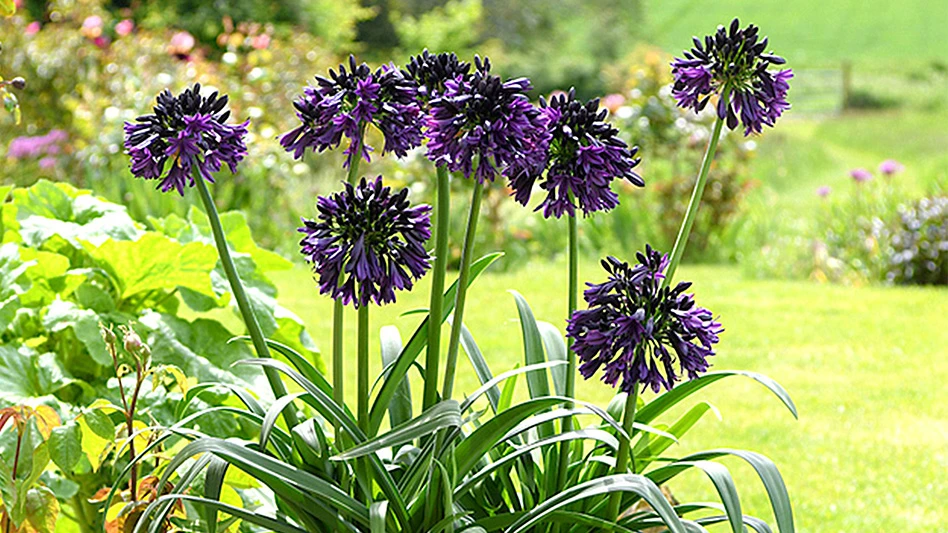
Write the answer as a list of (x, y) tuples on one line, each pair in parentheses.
[(585, 155), (485, 119), (186, 132), (367, 243), (733, 60), (339, 106), (639, 331), (431, 71)]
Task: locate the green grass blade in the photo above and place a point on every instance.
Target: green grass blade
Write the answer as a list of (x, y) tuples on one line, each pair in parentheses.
[(442, 415), (400, 409), (533, 354), (486, 387), (647, 448), (477, 360), (668, 399), (269, 421), (213, 483), (377, 514), (272, 524), (724, 484), (555, 351), (415, 346), (634, 483)]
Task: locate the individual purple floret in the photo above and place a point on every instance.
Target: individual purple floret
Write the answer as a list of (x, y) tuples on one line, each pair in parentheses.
[(585, 156), (432, 71), (190, 132), (339, 106), (485, 119), (367, 243), (733, 61), (637, 329)]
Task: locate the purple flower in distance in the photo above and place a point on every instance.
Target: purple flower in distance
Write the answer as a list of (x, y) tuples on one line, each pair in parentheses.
[(432, 71), (890, 167), (367, 243), (585, 156), (481, 117), (186, 133), (637, 330), (823, 191), (733, 61), (860, 175), (348, 100), (37, 146)]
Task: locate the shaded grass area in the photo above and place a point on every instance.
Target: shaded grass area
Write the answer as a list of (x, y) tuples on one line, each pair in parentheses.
[(865, 367)]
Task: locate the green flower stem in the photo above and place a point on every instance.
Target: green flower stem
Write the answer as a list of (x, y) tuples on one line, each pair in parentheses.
[(570, 354), (624, 456), (243, 303), (363, 390), (467, 255), (685, 231), (339, 311), (442, 228)]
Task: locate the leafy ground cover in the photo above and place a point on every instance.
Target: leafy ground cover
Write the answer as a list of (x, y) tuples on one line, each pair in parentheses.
[(862, 364)]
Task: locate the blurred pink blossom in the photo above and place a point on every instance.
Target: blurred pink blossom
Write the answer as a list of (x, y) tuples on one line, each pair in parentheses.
[(92, 27), (181, 44), (260, 42), (890, 167), (124, 27), (824, 191), (101, 41), (612, 102), (47, 162), (860, 175), (32, 28)]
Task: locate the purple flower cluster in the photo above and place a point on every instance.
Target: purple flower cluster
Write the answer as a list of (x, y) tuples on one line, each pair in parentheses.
[(485, 119), (636, 328), (367, 243), (585, 156), (347, 101), (733, 62), (37, 146), (432, 71), (190, 131)]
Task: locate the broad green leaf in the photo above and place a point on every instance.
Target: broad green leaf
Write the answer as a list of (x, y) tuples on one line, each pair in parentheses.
[(439, 416), (65, 446), (25, 374), (155, 263), (252, 517), (84, 323), (650, 447), (239, 238), (724, 484), (99, 423), (537, 382), (42, 510), (555, 348), (481, 368)]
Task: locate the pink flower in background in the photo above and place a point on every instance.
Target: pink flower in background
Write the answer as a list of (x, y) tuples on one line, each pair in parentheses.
[(47, 162), (40, 145), (890, 167), (860, 175), (101, 41), (612, 102), (824, 191), (181, 44), (92, 27), (124, 27), (32, 28), (260, 42)]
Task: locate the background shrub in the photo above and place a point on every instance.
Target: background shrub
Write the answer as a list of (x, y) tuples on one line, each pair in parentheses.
[(920, 244)]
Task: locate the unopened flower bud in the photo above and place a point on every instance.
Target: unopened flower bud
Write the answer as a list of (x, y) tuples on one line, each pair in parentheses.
[(18, 83)]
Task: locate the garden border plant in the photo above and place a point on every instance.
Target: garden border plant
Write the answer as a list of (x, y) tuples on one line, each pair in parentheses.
[(484, 463)]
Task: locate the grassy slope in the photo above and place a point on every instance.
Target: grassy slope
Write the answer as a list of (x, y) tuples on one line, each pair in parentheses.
[(863, 365), (815, 31)]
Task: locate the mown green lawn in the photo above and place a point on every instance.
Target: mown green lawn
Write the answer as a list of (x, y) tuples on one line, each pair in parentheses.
[(865, 366)]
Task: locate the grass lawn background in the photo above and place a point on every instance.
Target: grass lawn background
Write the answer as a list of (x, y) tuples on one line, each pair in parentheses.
[(865, 367)]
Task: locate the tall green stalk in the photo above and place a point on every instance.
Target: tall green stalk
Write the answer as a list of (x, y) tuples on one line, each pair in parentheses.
[(696, 195), (624, 455), (442, 225), (243, 303), (562, 472), (339, 309), (362, 409), (464, 275)]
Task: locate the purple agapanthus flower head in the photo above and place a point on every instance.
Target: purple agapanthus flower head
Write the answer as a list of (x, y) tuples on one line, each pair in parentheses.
[(733, 61), (485, 119), (640, 331), (890, 167), (860, 175), (585, 155), (349, 100), (367, 243), (186, 133), (432, 71)]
